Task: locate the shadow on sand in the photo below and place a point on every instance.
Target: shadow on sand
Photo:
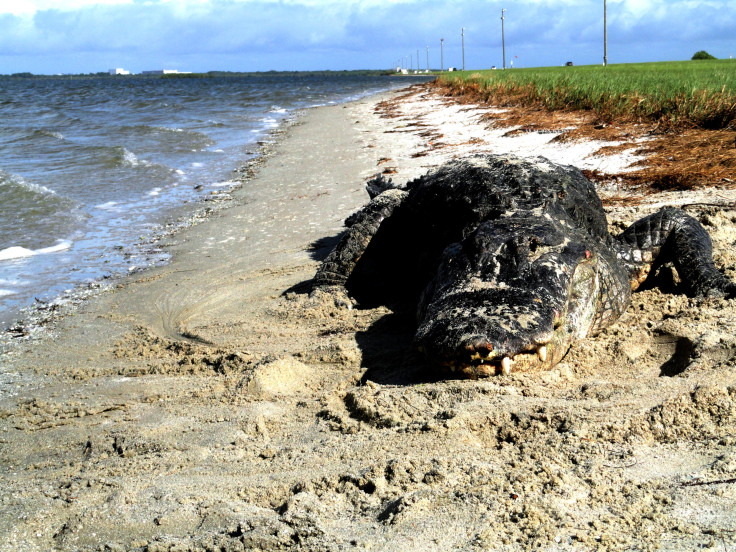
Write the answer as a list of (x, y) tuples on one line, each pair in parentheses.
[(386, 346)]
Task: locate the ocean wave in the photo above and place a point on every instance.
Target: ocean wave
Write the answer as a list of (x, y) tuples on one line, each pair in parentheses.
[(7, 285), (120, 156), (49, 133), (14, 283), (168, 138), (168, 129), (86, 157), (112, 206), (143, 129), (14, 181), (32, 136), (129, 158), (18, 252), (34, 215)]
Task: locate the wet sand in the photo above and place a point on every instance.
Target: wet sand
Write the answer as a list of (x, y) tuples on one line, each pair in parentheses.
[(212, 404)]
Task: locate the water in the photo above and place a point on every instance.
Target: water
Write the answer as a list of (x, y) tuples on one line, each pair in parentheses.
[(90, 169)]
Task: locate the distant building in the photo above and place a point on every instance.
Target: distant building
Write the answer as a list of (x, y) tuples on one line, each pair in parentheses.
[(119, 71), (166, 72)]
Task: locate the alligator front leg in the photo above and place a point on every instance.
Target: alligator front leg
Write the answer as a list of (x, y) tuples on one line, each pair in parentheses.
[(671, 235), (362, 226)]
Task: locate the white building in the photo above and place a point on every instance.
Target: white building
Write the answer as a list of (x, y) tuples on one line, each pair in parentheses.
[(166, 72), (119, 71)]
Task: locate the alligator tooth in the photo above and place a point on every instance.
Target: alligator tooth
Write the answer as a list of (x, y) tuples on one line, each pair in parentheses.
[(506, 366), (542, 353)]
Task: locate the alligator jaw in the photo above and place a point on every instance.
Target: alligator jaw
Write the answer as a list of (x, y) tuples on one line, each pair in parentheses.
[(483, 363)]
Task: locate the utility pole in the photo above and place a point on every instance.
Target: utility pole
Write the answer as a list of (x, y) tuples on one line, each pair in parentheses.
[(462, 34), (503, 40), (417, 61), (427, 57), (605, 36), (442, 54)]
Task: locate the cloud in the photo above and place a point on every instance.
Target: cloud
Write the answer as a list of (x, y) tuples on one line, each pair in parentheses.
[(30, 7), (300, 34)]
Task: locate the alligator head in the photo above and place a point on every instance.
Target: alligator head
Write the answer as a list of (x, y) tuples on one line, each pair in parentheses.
[(513, 295)]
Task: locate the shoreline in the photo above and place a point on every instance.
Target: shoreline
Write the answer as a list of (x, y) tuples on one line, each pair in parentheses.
[(33, 318), (210, 403), (51, 292)]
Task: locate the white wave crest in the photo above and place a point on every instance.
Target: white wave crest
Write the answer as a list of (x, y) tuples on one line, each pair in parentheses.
[(168, 129), (53, 134), (17, 180), (109, 206), (130, 159), (17, 252)]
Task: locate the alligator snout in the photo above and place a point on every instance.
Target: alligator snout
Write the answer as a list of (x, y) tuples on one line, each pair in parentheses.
[(503, 306)]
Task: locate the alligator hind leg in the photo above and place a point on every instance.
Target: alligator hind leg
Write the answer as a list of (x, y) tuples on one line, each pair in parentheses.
[(671, 235), (362, 226)]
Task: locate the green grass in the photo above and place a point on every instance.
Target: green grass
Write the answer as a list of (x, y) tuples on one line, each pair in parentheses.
[(696, 93)]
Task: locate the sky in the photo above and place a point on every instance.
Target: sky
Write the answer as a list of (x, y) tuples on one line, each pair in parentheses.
[(85, 36)]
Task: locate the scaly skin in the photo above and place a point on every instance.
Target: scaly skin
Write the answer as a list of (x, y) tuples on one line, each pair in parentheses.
[(508, 261)]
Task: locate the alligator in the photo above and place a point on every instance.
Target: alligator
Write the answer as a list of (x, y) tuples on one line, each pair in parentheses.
[(507, 260)]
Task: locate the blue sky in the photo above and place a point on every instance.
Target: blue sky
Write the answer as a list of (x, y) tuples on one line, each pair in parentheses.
[(80, 36)]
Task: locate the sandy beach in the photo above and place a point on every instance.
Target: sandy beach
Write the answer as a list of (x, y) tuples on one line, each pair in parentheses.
[(211, 404)]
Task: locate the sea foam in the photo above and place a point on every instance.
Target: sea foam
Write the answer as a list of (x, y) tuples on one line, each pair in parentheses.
[(17, 252)]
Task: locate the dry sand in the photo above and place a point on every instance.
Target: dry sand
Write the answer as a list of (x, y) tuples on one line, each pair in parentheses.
[(212, 405)]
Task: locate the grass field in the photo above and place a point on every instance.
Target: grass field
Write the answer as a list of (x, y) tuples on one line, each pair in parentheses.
[(683, 93)]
